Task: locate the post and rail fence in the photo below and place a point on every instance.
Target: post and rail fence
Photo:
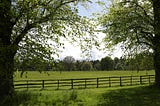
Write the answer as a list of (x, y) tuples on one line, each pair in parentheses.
[(82, 83)]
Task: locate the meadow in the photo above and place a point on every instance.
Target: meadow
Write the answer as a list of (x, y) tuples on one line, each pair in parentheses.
[(139, 95), (119, 96), (35, 75)]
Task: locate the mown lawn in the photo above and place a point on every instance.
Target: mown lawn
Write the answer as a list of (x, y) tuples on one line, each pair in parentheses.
[(75, 74), (120, 96)]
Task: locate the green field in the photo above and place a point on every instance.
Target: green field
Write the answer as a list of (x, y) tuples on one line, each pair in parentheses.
[(119, 96), (139, 95), (28, 75)]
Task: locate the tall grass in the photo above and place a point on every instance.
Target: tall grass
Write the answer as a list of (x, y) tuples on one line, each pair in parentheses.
[(49, 98), (121, 96)]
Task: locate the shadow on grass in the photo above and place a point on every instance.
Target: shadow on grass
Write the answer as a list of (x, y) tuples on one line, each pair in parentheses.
[(138, 96), (18, 99)]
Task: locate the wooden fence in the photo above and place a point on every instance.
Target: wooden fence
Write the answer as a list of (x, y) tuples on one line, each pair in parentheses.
[(82, 83)]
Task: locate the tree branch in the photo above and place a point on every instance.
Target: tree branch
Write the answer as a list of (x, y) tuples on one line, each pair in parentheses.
[(39, 21), (150, 20), (22, 34)]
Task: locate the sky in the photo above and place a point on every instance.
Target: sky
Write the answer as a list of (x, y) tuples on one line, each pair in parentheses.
[(75, 51)]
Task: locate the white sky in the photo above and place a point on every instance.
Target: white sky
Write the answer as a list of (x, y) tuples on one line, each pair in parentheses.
[(75, 51)]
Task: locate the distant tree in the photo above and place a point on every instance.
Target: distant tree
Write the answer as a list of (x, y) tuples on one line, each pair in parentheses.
[(96, 65), (116, 63), (107, 63), (78, 65), (86, 66), (142, 61), (33, 64), (147, 62), (59, 66), (69, 63)]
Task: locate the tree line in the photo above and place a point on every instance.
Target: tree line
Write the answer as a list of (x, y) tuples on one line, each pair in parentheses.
[(142, 61)]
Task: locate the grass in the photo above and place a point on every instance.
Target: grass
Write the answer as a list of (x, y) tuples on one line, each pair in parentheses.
[(119, 96), (114, 96), (138, 96), (75, 74)]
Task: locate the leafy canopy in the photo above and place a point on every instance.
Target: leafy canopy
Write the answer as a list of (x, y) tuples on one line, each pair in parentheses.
[(129, 23), (39, 26)]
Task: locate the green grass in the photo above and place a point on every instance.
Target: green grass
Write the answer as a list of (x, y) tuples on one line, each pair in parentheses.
[(119, 96), (75, 74), (114, 96), (138, 96)]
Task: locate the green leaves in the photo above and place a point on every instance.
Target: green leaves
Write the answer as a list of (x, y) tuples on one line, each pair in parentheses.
[(129, 23), (40, 25)]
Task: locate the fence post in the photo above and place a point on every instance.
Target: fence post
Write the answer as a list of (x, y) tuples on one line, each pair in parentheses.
[(97, 82), (149, 79), (57, 84), (131, 80), (42, 84), (27, 85), (140, 79), (71, 83), (85, 84), (109, 82), (120, 81)]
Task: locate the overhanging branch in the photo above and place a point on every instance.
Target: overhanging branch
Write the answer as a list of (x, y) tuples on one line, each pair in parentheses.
[(39, 21)]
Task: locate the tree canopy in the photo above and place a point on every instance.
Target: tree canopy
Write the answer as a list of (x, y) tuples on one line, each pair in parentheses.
[(131, 24), (30, 28), (40, 26), (136, 25)]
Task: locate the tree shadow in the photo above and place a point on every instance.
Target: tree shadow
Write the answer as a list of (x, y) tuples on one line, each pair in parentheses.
[(139, 96)]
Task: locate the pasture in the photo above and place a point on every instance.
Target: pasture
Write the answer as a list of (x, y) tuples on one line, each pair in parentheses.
[(137, 95), (81, 79), (35, 75), (118, 96)]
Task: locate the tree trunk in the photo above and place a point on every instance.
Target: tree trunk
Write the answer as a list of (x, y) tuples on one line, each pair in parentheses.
[(6, 71), (156, 40), (7, 50)]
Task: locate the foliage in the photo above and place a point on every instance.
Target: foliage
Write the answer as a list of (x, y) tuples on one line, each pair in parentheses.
[(69, 63), (107, 63), (86, 66), (141, 61), (33, 64), (30, 28), (45, 27), (129, 23), (136, 25)]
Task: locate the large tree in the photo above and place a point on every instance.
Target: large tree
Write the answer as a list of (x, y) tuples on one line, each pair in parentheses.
[(136, 25), (28, 27)]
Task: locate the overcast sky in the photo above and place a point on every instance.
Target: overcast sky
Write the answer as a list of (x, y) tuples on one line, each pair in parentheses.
[(75, 51)]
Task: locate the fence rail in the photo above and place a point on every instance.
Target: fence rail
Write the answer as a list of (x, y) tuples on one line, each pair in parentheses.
[(82, 83)]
